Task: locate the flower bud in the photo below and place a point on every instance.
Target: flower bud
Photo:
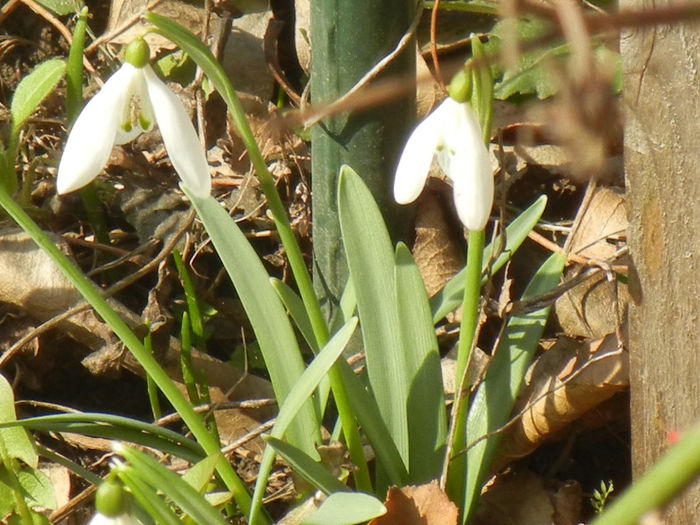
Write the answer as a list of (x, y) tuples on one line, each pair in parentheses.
[(137, 53), (111, 499)]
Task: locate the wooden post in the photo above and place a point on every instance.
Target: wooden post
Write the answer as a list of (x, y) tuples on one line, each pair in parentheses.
[(661, 68)]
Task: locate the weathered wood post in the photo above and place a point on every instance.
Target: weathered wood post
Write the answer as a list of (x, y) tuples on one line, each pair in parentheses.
[(661, 68)]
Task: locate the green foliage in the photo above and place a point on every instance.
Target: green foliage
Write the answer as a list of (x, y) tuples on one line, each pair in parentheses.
[(450, 297), (177, 67), (297, 399), (16, 443), (346, 508), (494, 399), (533, 74), (600, 496), (33, 89), (302, 465), (74, 68), (62, 7), (22, 485), (156, 477), (267, 316)]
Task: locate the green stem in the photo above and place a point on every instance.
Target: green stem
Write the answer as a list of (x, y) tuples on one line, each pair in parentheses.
[(677, 468), (147, 361), (11, 471), (74, 68), (470, 312)]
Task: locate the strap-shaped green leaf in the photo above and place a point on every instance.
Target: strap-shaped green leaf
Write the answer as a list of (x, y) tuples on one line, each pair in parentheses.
[(370, 258), (426, 417), (307, 468), (297, 399), (265, 313), (493, 401)]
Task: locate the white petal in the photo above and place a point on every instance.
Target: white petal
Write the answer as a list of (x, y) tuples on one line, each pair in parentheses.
[(137, 90), (124, 519), (91, 139), (179, 136), (473, 187), (462, 134), (414, 164)]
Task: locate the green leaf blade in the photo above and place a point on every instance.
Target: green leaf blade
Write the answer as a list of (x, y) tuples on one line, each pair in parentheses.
[(346, 508), (494, 399), (33, 89), (371, 266), (426, 416), (265, 312), (15, 440)]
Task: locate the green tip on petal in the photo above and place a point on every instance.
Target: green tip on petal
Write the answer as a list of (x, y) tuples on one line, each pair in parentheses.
[(111, 500), (137, 53), (460, 88)]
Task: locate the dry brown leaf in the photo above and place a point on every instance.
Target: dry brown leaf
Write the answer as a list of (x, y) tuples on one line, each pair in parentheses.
[(522, 499), (561, 386), (32, 282), (418, 505), (187, 15), (597, 306), (60, 481), (435, 250)]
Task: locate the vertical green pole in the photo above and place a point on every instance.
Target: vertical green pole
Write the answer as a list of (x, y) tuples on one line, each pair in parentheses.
[(348, 38)]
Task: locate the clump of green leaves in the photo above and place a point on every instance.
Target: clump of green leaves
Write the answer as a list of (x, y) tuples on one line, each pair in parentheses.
[(600, 496)]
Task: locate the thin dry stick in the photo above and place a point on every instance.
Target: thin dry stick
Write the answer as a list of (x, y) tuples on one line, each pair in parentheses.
[(46, 15), (433, 43), (245, 438)]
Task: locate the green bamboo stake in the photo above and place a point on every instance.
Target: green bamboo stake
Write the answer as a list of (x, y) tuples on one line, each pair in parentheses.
[(349, 38)]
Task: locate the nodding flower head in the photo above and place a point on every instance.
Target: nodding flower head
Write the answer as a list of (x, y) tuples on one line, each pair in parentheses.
[(451, 132), (129, 103)]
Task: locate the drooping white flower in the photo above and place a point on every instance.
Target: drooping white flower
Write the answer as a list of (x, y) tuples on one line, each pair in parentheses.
[(453, 134), (127, 105), (122, 519)]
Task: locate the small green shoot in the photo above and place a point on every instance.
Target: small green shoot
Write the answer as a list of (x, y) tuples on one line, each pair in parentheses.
[(600, 496)]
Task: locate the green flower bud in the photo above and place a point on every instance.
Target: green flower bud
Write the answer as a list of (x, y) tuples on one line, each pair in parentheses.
[(460, 88), (111, 499), (137, 53)]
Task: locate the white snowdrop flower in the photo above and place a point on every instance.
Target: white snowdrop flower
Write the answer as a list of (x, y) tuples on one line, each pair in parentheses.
[(128, 104), (122, 519), (451, 132)]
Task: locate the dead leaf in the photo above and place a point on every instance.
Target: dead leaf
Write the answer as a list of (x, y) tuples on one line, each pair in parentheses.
[(418, 505), (437, 254), (60, 481), (32, 282), (187, 15), (521, 498), (243, 59), (562, 385), (597, 306)]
